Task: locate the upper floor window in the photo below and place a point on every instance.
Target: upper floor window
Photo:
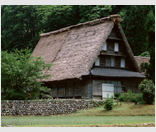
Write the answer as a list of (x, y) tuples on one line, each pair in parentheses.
[(111, 47), (104, 46), (97, 62), (122, 64), (110, 61), (116, 47)]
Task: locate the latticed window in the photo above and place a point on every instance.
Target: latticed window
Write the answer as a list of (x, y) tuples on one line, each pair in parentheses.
[(117, 85), (109, 61), (53, 89), (69, 89), (117, 61), (102, 61), (61, 89), (110, 47)]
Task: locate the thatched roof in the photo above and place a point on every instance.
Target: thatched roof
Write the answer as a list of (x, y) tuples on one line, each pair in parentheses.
[(140, 59), (74, 49)]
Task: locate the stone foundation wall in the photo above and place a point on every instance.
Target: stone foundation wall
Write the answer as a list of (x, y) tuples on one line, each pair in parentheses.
[(46, 107)]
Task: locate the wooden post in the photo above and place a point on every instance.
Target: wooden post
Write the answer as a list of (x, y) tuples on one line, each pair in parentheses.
[(57, 88), (91, 81), (73, 89), (65, 89)]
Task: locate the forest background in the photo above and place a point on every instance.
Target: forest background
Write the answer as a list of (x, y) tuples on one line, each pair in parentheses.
[(22, 24)]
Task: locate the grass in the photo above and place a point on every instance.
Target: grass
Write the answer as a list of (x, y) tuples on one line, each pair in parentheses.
[(74, 120), (125, 109), (126, 114)]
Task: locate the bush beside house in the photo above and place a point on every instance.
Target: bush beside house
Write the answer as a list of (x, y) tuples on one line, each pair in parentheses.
[(148, 90)]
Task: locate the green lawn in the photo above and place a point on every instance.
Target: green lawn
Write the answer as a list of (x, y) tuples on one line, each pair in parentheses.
[(125, 109), (74, 120)]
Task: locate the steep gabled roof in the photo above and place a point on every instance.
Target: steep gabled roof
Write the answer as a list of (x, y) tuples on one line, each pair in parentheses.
[(74, 49)]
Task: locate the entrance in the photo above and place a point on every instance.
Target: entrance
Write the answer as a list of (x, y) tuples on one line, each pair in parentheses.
[(107, 89)]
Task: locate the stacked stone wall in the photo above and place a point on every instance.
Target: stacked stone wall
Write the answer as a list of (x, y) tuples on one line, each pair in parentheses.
[(45, 107)]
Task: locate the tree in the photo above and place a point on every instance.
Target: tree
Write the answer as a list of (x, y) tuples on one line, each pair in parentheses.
[(21, 75), (149, 69), (61, 16), (91, 12), (134, 26), (148, 90), (150, 28), (109, 102), (145, 54), (21, 25)]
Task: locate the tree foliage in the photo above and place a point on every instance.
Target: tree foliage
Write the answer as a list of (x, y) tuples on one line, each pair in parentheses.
[(61, 16), (22, 24), (91, 12), (134, 26), (150, 28), (145, 54), (109, 102), (21, 74), (149, 69), (148, 90)]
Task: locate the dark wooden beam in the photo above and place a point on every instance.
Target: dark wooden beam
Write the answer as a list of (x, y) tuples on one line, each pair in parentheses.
[(105, 53), (114, 38)]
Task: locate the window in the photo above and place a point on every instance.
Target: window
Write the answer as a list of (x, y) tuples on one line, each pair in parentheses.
[(97, 62), (61, 90), (102, 61), (104, 46), (117, 61), (122, 64), (53, 89), (112, 61), (110, 48), (109, 61), (117, 85), (116, 47), (69, 89), (54, 92)]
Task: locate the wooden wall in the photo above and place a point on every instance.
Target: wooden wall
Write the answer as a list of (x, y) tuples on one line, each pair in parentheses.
[(65, 89), (88, 87), (132, 84), (127, 83)]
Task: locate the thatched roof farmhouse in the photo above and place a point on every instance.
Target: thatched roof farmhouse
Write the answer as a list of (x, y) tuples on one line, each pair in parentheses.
[(89, 60)]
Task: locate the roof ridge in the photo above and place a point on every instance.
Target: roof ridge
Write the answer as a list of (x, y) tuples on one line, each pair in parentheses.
[(114, 18)]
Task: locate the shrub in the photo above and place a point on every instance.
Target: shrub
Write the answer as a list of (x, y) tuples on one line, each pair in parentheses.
[(132, 97), (124, 97), (148, 90), (117, 95), (121, 97), (136, 98), (109, 103)]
